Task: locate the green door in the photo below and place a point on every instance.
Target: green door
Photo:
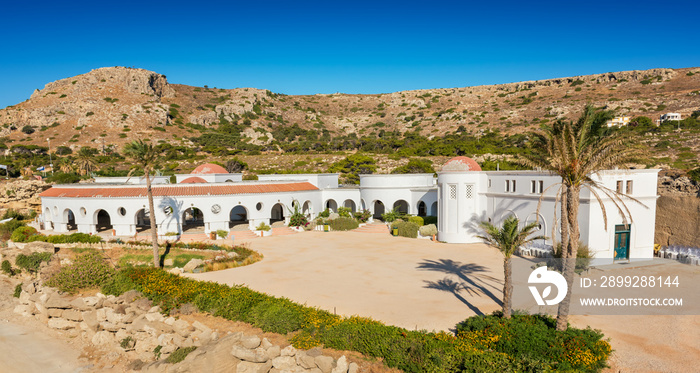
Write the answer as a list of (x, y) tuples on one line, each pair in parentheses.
[(622, 241)]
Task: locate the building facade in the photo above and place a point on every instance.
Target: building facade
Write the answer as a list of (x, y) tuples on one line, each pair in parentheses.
[(461, 196)]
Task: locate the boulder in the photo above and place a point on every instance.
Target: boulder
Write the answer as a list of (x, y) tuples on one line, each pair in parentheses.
[(288, 351), (255, 356), (103, 338), (61, 323), (40, 247), (72, 315), (272, 352), (325, 363), (249, 367), (341, 365), (250, 342), (353, 368), (192, 264), (284, 363), (305, 361), (57, 301)]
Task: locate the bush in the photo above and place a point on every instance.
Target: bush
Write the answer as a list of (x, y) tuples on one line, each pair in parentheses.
[(23, 233), (32, 262), (416, 219), (428, 230), (222, 233), (344, 212), (263, 227), (277, 316), (343, 224), (28, 129), (8, 228), (117, 284), (430, 220), (66, 238), (324, 214), (391, 215), (583, 258), (363, 216), (7, 268), (408, 229), (18, 291), (12, 213), (87, 271), (536, 337)]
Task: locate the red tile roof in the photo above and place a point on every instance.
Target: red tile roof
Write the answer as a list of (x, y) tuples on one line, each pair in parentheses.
[(173, 190)]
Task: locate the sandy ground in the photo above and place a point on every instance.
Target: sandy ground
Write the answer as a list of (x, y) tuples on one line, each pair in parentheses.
[(425, 285)]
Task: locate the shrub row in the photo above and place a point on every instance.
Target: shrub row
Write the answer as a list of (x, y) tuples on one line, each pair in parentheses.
[(29, 234), (476, 348), (343, 224)]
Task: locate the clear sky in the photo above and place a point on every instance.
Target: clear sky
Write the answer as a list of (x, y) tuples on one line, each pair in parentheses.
[(308, 47)]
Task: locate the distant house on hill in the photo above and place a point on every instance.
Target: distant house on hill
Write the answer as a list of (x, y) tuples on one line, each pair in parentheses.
[(618, 121), (669, 116)]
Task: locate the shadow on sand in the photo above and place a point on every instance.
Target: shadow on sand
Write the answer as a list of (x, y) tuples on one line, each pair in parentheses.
[(473, 280)]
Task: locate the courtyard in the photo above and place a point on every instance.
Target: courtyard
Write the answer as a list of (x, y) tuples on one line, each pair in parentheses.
[(420, 284)]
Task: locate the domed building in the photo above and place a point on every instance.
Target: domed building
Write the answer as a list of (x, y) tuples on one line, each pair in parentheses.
[(461, 197)]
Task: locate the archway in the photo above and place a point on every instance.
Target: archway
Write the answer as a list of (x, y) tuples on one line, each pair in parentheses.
[(349, 204), (102, 221), (277, 213), (142, 221), (238, 218), (48, 221), (401, 206), (69, 218), (378, 209), (306, 208), (332, 205), (192, 219), (434, 209), (422, 209)]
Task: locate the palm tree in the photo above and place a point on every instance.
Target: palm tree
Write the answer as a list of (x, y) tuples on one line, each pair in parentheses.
[(144, 155), (575, 151), (507, 239), (85, 160)]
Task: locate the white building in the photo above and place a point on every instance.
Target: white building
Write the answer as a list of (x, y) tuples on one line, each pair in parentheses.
[(461, 196), (618, 122), (669, 116)]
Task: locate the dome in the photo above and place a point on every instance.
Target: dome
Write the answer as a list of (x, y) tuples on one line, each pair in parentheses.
[(209, 168), (461, 164), (192, 180)]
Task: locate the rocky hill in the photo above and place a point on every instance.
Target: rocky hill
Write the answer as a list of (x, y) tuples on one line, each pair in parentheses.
[(112, 105)]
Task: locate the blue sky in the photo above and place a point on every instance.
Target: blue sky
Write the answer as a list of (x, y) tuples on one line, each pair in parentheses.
[(309, 47)]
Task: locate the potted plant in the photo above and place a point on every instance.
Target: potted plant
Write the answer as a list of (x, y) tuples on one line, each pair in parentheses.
[(263, 230)]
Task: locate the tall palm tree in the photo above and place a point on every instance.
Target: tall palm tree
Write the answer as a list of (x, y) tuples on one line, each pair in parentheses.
[(575, 151), (145, 156), (85, 160), (507, 239)]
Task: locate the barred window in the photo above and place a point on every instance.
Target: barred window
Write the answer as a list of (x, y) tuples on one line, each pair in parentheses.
[(469, 191), (453, 192)]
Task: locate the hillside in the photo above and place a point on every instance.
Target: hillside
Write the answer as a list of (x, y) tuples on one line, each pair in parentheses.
[(109, 106)]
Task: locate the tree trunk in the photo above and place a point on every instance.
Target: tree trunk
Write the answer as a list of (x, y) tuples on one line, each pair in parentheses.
[(569, 264), (152, 218), (507, 287), (564, 222)]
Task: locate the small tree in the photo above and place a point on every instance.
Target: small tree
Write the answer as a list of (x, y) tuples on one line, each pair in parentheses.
[(507, 239), (144, 155)]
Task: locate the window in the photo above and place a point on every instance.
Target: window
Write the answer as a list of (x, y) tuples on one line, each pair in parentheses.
[(629, 186), (489, 183), (513, 185), (533, 186), (507, 186), (541, 185), (469, 191), (453, 192), (619, 186)]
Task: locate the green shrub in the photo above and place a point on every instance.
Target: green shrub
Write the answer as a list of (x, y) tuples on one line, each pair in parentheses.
[(343, 224), (9, 227), (416, 219), (23, 233), (18, 291), (277, 316), (32, 262), (87, 271), (12, 213), (179, 355), (391, 215), (222, 233), (536, 337), (344, 212), (430, 220), (408, 229), (117, 284), (7, 268), (66, 238), (428, 230), (363, 216), (583, 258), (263, 227), (324, 214)]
